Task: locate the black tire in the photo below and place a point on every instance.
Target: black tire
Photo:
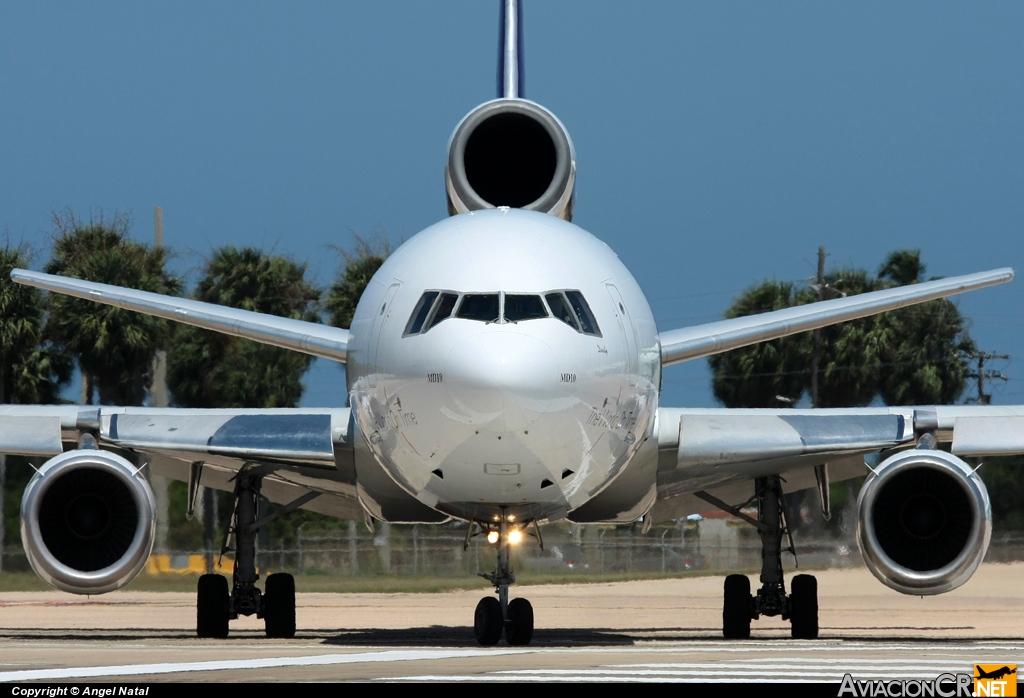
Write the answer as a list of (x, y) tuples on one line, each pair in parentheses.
[(736, 610), (488, 621), (212, 601), (803, 607), (519, 630), (279, 606)]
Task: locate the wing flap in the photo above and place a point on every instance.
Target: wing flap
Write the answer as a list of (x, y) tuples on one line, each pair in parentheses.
[(715, 448), (988, 436), (30, 436), (725, 335), (292, 436)]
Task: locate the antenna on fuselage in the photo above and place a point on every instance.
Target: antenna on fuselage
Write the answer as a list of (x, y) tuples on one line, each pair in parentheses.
[(511, 75)]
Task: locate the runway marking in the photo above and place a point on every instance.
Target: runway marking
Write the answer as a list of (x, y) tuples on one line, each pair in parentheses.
[(264, 663), (810, 668)]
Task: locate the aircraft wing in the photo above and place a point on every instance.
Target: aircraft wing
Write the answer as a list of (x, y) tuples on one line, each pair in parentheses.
[(307, 337), (715, 337), (302, 452), (719, 451)]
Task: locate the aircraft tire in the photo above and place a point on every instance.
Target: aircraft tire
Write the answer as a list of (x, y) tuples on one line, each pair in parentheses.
[(519, 630), (736, 610), (803, 605), (488, 621), (279, 606), (212, 606)]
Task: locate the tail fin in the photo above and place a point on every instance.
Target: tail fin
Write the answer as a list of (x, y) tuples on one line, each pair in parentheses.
[(511, 74)]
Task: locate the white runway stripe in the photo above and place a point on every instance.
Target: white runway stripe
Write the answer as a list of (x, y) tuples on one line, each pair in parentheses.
[(807, 661), (262, 663)]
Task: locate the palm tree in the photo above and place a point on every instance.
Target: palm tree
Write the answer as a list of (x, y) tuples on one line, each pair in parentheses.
[(208, 369), (914, 355), (360, 266), (30, 372), (114, 347), (768, 374)]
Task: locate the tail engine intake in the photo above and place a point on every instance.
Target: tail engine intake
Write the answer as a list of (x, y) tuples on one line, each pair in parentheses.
[(88, 521), (924, 522), (511, 152)]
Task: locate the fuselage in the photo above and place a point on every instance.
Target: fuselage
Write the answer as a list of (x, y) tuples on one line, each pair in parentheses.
[(504, 360)]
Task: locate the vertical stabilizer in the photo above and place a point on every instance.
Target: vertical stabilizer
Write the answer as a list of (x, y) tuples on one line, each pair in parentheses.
[(511, 76)]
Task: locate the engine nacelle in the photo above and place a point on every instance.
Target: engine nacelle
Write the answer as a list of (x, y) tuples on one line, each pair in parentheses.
[(511, 152), (924, 522), (88, 521)]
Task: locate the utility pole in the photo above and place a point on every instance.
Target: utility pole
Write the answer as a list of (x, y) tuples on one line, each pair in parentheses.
[(816, 356), (158, 395), (982, 375)]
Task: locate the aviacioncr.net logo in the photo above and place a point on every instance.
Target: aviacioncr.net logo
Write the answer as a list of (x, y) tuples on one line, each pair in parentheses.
[(942, 686)]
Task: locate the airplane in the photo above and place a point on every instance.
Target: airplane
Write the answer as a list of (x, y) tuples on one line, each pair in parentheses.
[(504, 368)]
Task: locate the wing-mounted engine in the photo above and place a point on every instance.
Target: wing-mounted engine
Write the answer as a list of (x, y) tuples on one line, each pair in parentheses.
[(924, 522), (88, 521), (511, 152)]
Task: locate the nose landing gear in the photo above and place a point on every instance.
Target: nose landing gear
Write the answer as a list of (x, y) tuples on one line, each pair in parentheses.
[(494, 615)]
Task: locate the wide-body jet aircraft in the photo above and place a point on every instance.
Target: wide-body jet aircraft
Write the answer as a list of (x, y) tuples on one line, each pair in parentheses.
[(504, 368)]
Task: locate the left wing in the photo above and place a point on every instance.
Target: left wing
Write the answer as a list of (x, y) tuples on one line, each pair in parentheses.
[(719, 451), (716, 337)]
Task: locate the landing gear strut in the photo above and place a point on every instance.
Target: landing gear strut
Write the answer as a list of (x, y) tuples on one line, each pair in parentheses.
[(800, 606), (215, 606), (493, 615)]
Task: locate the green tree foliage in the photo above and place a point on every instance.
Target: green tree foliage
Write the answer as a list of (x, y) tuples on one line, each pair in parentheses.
[(114, 347), (210, 369), (359, 268), (914, 355), (31, 371)]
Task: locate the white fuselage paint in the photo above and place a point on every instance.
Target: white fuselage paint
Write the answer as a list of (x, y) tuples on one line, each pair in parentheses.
[(534, 418)]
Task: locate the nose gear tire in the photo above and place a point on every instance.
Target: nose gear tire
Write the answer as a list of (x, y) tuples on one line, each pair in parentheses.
[(519, 630), (487, 621)]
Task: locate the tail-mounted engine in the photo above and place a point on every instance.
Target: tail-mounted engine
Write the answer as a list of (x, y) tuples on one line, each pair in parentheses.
[(924, 522), (511, 152), (88, 521)]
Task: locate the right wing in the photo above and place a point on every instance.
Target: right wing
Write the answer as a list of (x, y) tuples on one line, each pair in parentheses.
[(302, 452), (298, 335), (725, 335)]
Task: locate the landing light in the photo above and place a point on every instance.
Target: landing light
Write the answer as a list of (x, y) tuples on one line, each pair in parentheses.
[(515, 536), (492, 537)]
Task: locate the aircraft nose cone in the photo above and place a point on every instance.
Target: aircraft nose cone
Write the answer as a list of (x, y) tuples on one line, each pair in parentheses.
[(501, 381)]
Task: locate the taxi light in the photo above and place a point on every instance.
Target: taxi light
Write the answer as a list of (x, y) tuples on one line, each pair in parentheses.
[(492, 537), (515, 536)]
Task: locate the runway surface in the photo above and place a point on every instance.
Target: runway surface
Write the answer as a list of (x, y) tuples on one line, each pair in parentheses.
[(666, 630)]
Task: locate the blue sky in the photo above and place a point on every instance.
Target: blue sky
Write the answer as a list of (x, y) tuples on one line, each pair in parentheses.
[(718, 144)]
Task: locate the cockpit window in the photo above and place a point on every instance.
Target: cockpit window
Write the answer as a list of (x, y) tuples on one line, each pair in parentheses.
[(435, 306), (445, 305), (586, 318), (479, 306), (560, 309), (522, 307), (571, 308), (419, 315)]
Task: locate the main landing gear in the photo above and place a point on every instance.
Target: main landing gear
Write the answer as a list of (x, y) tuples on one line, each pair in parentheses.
[(800, 606), (215, 606), (494, 615)]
